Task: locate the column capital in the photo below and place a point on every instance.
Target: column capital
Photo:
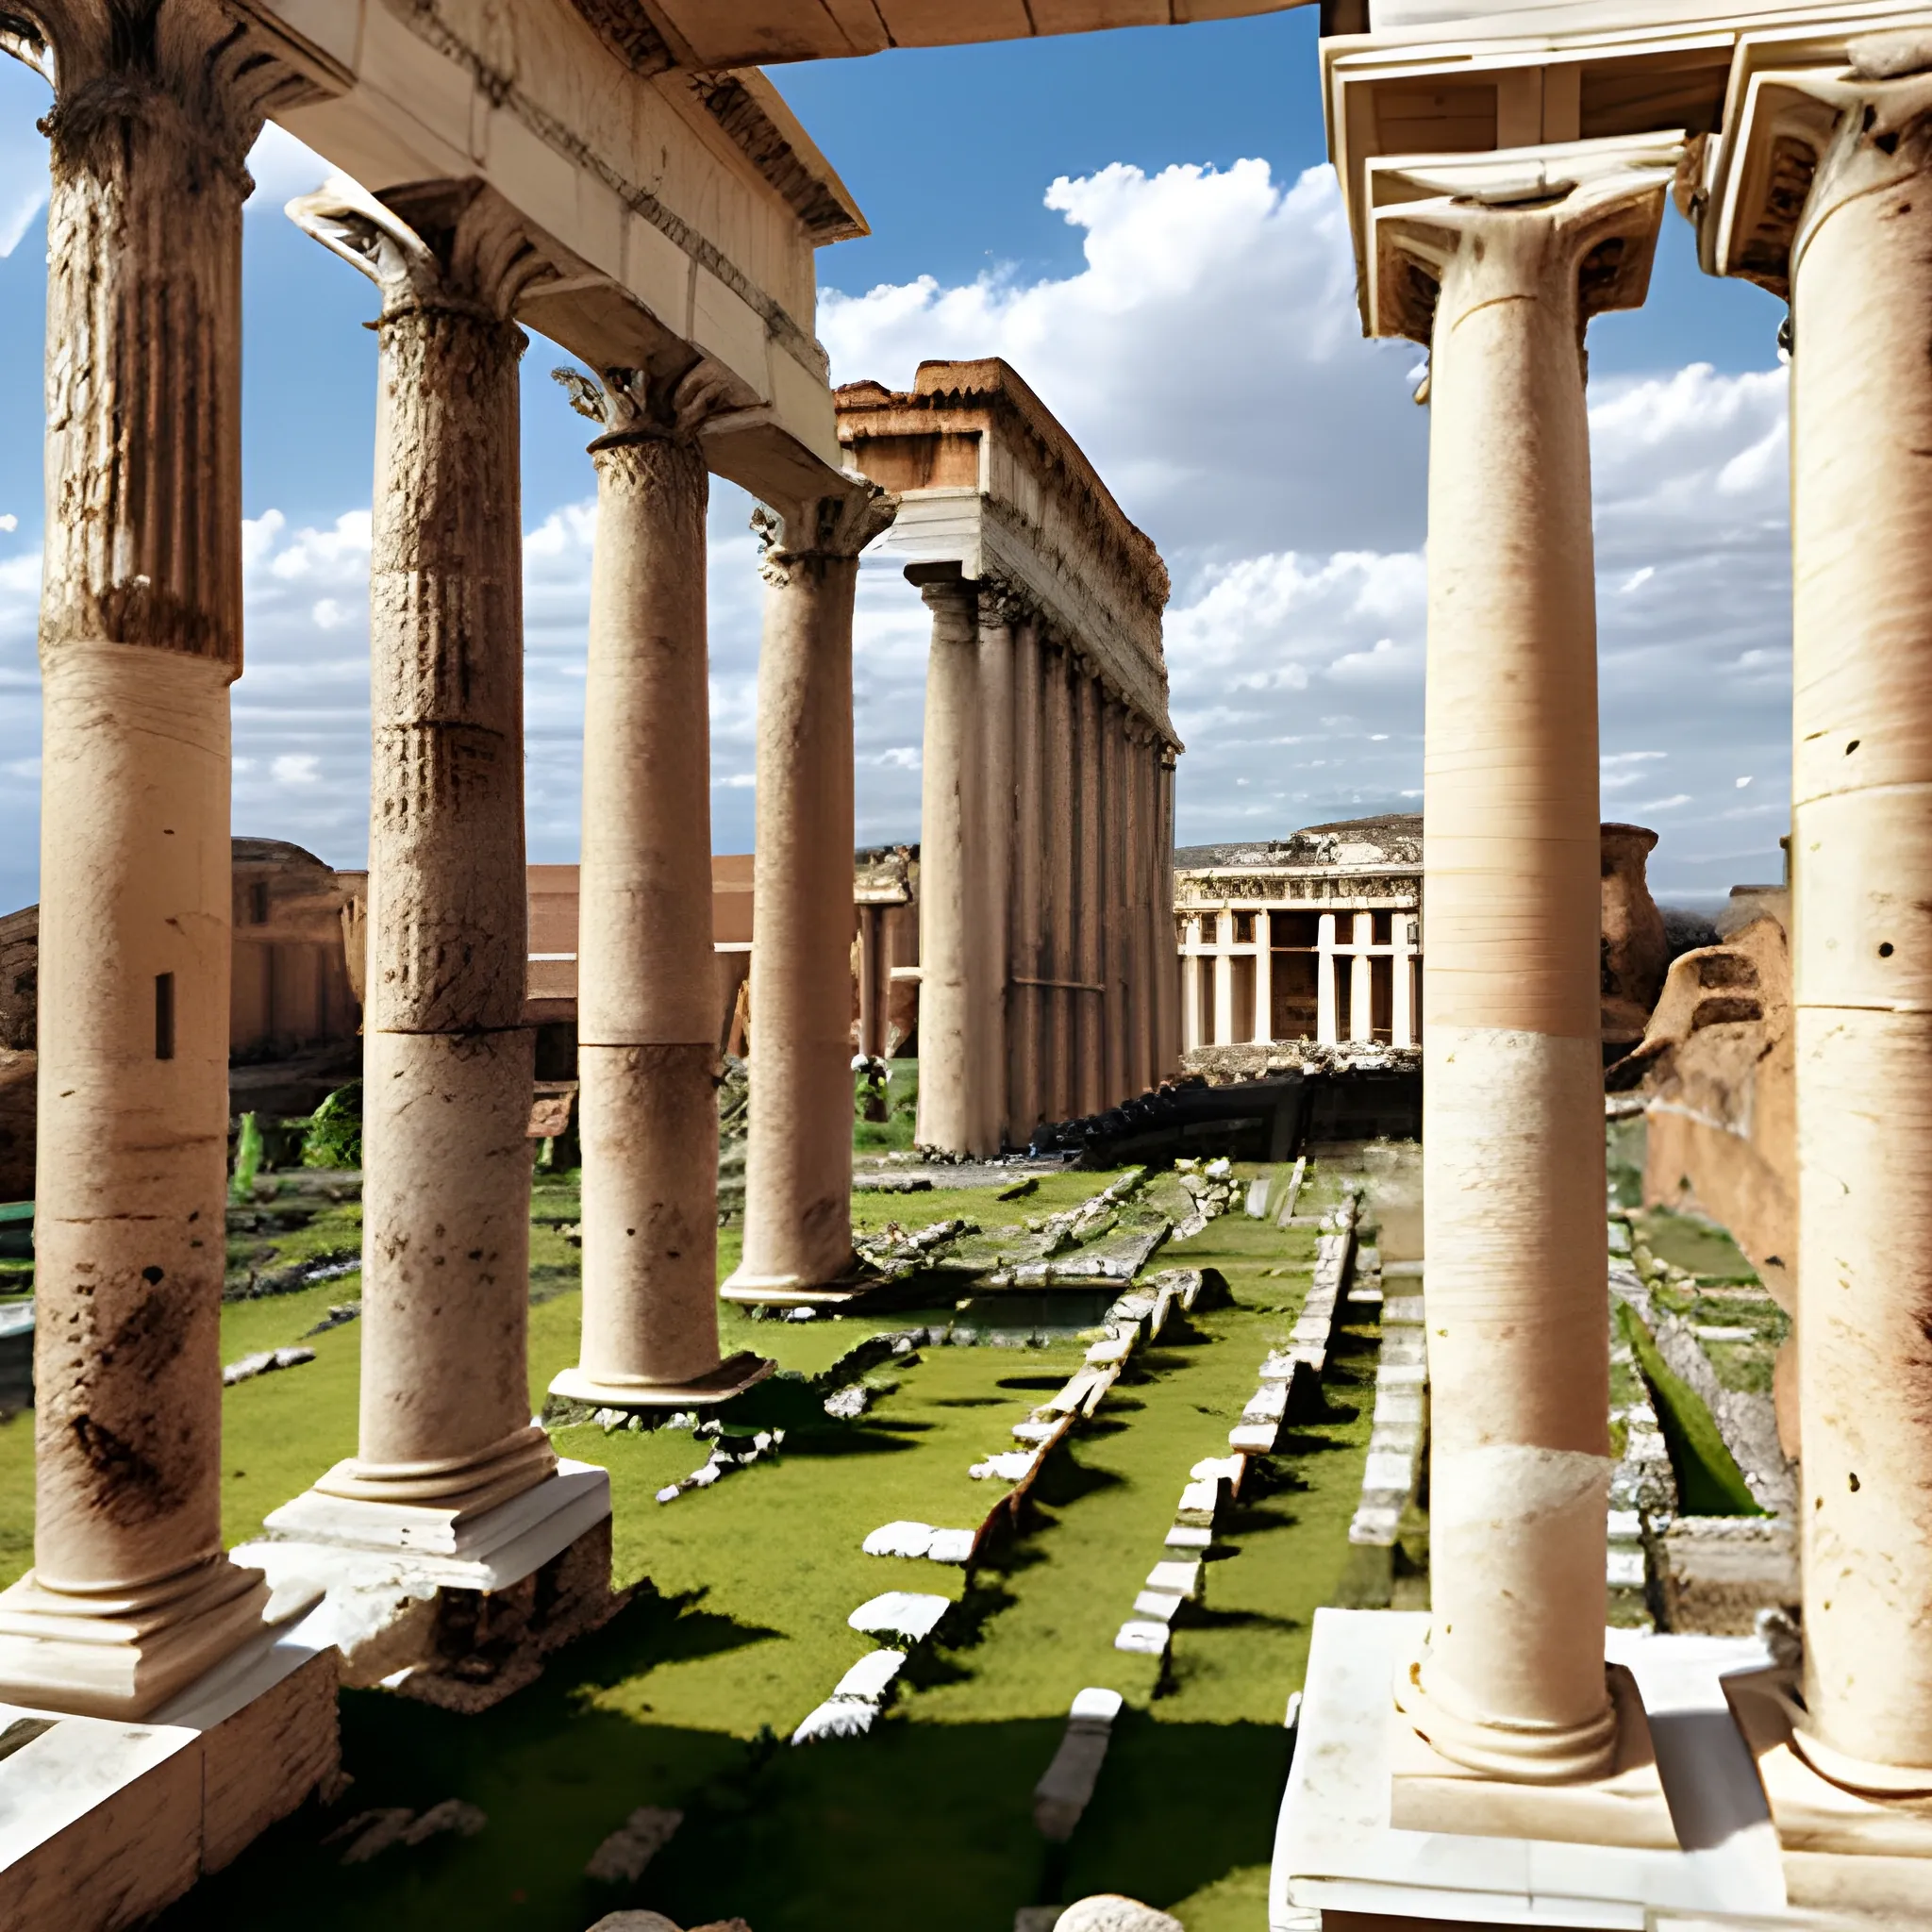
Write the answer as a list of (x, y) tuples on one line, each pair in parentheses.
[(1806, 139), (647, 404), (1597, 204), (452, 247), (1001, 604), (207, 82), (819, 528)]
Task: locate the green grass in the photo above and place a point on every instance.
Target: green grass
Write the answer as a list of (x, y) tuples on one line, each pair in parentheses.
[(1709, 1482), (740, 1627), (1699, 1247)]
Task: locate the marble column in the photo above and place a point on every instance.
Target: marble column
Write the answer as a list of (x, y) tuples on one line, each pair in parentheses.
[(1361, 981), (798, 1155), (1223, 981), (648, 1049), (1026, 915), (1061, 874), (1167, 985), (131, 1596), (1264, 978), (1089, 1050), (991, 847), (1862, 846), (1401, 981), (1191, 969), (445, 1402), (1511, 1681), (951, 960), (1328, 1022), (1139, 875)]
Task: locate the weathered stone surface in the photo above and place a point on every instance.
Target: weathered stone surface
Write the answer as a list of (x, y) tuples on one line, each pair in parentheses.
[(902, 1539), (900, 1613), (1110, 1912), (621, 1857), (1144, 1638)]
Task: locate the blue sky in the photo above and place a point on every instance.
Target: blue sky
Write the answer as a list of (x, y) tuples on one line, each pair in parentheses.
[(1131, 219)]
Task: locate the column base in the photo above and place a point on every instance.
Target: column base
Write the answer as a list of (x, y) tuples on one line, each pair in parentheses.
[(1843, 1849), (797, 1291), (732, 1376), (458, 1609), (458, 1487), (98, 1654), (102, 1824)]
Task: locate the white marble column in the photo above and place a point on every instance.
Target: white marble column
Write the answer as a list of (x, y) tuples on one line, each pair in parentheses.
[(130, 1596), (446, 1405), (1264, 977), (1027, 911), (992, 856), (1401, 981), (1089, 1002), (953, 961), (1061, 797), (1861, 848), (798, 1155), (1167, 986), (647, 1049), (1191, 987), (1328, 1022), (1140, 966), (1224, 979), (1512, 1682)]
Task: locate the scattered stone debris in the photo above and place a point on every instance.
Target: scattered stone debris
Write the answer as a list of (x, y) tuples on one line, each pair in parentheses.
[(731, 1450), (848, 1404), (1395, 1433), (268, 1360), (893, 1183), (621, 1857), (339, 1313), (900, 1613), (921, 1540), (858, 1697), (1109, 1912), (371, 1833)]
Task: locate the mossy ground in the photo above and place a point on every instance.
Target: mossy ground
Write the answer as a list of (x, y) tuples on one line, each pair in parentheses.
[(740, 1629)]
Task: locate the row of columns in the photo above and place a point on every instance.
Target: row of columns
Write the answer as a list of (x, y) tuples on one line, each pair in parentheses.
[(1047, 986), (131, 1596), (1512, 1680), (1209, 1015)]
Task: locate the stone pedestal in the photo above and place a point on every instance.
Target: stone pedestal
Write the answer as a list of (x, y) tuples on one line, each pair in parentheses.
[(798, 1160), (1510, 1682), (647, 1056)]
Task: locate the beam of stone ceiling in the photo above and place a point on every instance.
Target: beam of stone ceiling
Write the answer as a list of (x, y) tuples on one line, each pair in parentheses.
[(744, 33)]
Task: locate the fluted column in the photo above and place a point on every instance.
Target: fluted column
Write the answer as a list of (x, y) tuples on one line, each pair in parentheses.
[(952, 957), (1089, 1035), (1860, 283), (130, 1596), (445, 1407), (1063, 804), (994, 861), (647, 1049), (1025, 996), (798, 1155), (1512, 1681)]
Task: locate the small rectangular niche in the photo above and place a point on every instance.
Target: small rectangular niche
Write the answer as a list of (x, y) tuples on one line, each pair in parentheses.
[(164, 1016)]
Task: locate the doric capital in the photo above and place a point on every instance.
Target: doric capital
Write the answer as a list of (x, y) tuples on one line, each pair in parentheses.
[(203, 76), (454, 246), (647, 404), (823, 526), (1588, 208), (1804, 140)]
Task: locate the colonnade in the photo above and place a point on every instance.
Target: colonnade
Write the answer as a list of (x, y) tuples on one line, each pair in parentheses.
[(1047, 986), (131, 1596), (1216, 1011)]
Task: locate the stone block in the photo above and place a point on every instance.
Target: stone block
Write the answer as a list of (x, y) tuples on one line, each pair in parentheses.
[(1066, 1786), (1156, 1605), (622, 1857), (1311, 1328), (264, 1760), (1279, 1368), (1254, 1439), (899, 1538), (1403, 1348), (1010, 1466), (870, 1678), (1142, 1638), (1400, 1375), (1374, 1524), (1115, 1350), (838, 1717), (953, 1545), (1389, 1470), (1111, 1912), (1176, 1579), (1716, 1573), (1221, 1468), (1199, 1505), (1186, 1537), (905, 1614), (1399, 1404), (1400, 1439), (1402, 1311), (1269, 1404)]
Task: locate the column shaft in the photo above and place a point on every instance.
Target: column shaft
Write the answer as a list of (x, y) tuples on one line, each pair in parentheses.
[(1362, 980), (952, 956), (1223, 981), (1089, 1050), (992, 850), (1401, 972), (1113, 906), (130, 1595), (1140, 1070), (1265, 979), (798, 1155), (647, 1050), (1026, 1032), (1063, 804), (1327, 1023), (1167, 1001), (1861, 844)]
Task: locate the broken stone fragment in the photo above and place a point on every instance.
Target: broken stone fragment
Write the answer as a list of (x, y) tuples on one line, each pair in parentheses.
[(268, 1360), (1110, 1912), (900, 1613), (1142, 1638), (621, 1857), (899, 1538)]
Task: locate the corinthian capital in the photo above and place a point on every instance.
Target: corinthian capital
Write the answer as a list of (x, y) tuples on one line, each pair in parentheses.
[(456, 246), (1586, 209), (202, 77), (648, 406), (823, 526)]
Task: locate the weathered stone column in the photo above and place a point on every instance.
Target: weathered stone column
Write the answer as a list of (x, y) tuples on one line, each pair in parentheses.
[(1139, 934), (445, 1409), (1264, 978), (798, 1158), (1328, 1022), (1512, 1680), (1025, 1034), (1224, 981), (952, 957), (1401, 978), (1167, 983), (130, 1596), (993, 869), (1112, 902), (1089, 1002), (1061, 875), (1862, 846), (647, 1049), (1362, 980)]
